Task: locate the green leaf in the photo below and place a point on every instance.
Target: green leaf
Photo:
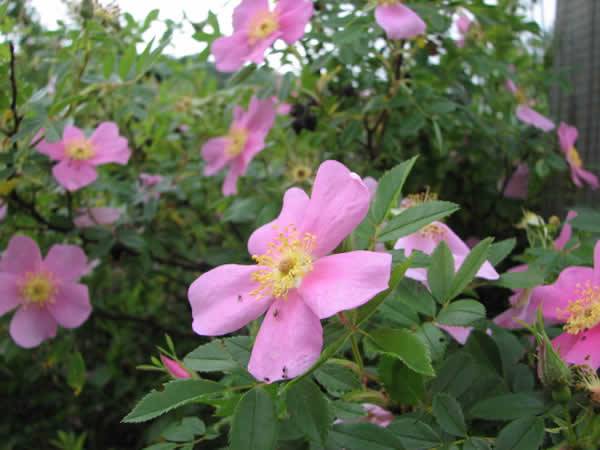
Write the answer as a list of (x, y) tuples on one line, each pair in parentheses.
[(174, 394), (127, 61), (470, 267), (509, 406), (448, 413), (500, 250), (337, 379), (587, 220), (476, 444), (415, 434), (522, 434), (309, 410), (362, 436), (184, 430), (405, 346), (521, 280), (402, 384), (389, 190), (211, 357), (461, 312), (435, 339), (254, 424), (415, 218), (440, 275), (76, 372), (484, 350)]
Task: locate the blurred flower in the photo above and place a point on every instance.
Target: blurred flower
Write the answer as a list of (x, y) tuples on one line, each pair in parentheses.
[(371, 184), (463, 23), (567, 136), (398, 21), (45, 291), (92, 217), (378, 415), (518, 184), (148, 183), (525, 113), (524, 303), (294, 281), (574, 300), (245, 139), (256, 28), (300, 173), (427, 239), (175, 368), (78, 155)]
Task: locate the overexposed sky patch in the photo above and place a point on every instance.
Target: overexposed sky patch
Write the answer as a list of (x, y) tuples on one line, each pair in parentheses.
[(51, 11)]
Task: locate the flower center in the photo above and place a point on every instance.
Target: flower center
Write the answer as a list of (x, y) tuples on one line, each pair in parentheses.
[(237, 141), (263, 25), (584, 312), (80, 150), (521, 97), (433, 231), (38, 288), (575, 157), (416, 199), (301, 173), (287, 261), (388, 2)]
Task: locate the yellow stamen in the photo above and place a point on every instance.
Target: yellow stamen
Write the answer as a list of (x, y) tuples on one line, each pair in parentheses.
[(521, 97), (301, 173), (38, 288), (575, 157), (237, 141), (388, 2), (419, 198), (80, 150), (591, 383), (582, 313), (287, 261), (433, 231), (263, 25)]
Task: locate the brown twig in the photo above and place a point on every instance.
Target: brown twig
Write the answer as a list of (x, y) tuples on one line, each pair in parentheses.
[(14, 92)]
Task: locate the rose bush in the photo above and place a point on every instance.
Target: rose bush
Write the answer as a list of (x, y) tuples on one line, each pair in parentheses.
[(316, 233)]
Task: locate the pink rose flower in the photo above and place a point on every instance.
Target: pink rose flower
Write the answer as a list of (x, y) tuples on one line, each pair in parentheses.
[(245, 139), (45, 291), (525, 113), (567, 136), (398, 21), (463, 24), (574, 300), (428, 238), (256, 28), (78, 155), (524, 303), (175, 368), (518, 184), (92, 217), (294, 281), (459, 334)]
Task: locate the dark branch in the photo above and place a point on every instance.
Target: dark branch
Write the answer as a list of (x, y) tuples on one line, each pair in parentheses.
[(14, 92)]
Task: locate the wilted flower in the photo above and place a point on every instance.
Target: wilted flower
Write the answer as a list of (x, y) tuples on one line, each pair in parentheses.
[(294, 281), (590, 381), (398, 21), (378, 415), (256, 28), (525, 113), (245, 139), (574, 300), (46, 291), (79, 155), (567, 136)]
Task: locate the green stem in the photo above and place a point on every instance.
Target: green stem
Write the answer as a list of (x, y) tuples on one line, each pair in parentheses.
[(356, 353)]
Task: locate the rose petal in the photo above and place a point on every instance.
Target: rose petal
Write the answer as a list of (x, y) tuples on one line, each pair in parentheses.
[(288, 343), (72, 305), (214, 155), (230, 52), (556, 296), (9, 292), (534, 118), (339, 202), (221, 300), (109, 146), (345, 281), (567, 135), (294, 15), (399, 21), (30, 326), (580, 349), (295, 202), (246, 11), (21, 256), (66, 262), (74, 175)]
